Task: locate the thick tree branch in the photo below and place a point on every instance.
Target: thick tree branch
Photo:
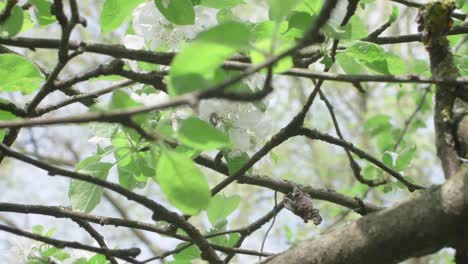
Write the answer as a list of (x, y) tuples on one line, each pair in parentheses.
[(419, 226)]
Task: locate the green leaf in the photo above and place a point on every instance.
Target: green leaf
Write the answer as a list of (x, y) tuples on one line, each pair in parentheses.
[(200, 135), (388, 158), (394, 15), (18, 74), (348, 64), (187, 254), (115, 12), (121, 100), (236, 161), (38, 229), (138, 169), (376, 58), (221, 4), (420, 67), (312, 7), (79, 261), (4, 116), (336, 33), (377, 124), (179, 12), (265, 30), (355, 29), (42, 11), (194, 67), (387, 188), (182, 182), (85, 196), (263, 49), (404, 158), (279, 9), (300, 20), (98, 259), (13, 24), (56, 253), (221, 207), (385, 139)]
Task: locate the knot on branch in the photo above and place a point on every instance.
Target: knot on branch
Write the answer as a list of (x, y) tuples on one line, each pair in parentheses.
[(300, 204), (434, 22)]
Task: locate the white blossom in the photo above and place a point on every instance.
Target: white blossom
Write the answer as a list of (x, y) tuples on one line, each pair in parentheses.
[(150, 99), (253, 11), (20, 251), (134, 42), (156, 30), (245, 124)]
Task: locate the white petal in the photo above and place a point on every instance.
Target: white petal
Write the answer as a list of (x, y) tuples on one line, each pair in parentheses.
[(251, 11), (99, 140), (146, 20), (249, 119), (150, 99), (134, 42), (240, 138), (208, 107)]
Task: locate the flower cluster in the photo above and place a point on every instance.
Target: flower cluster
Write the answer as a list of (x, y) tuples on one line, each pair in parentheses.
[(153, 29), (245, 124)]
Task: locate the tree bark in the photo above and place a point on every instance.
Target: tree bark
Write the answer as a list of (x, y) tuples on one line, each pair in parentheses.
[(424, 224)]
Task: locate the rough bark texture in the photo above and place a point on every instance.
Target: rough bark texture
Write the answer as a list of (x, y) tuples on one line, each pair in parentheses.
[(424, 224), (434, 21)]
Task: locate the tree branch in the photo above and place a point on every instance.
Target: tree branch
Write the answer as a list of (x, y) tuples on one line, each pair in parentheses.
[(419, 226)]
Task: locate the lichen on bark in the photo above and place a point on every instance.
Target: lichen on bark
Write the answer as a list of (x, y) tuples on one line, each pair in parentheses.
[(434, 21)]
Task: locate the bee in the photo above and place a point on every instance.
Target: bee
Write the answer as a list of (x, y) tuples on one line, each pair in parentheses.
[(215, 119)]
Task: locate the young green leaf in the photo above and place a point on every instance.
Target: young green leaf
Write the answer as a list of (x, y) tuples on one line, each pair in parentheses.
[(179, 12), (42, 12), (194, 67), (404, 158), (200, 135), (389, 158), (136, 172), (221, 207), (355, 29), (394, 15), (115, 12), (236, 161), (280, 9), (85, 196), (18, 74), (263, 48), (56, 253), (300, 20), (376, 58), (182, 182), (4, 116), (377, 124), (186, 255), (98, 259), (13, 24), (348, 64)]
